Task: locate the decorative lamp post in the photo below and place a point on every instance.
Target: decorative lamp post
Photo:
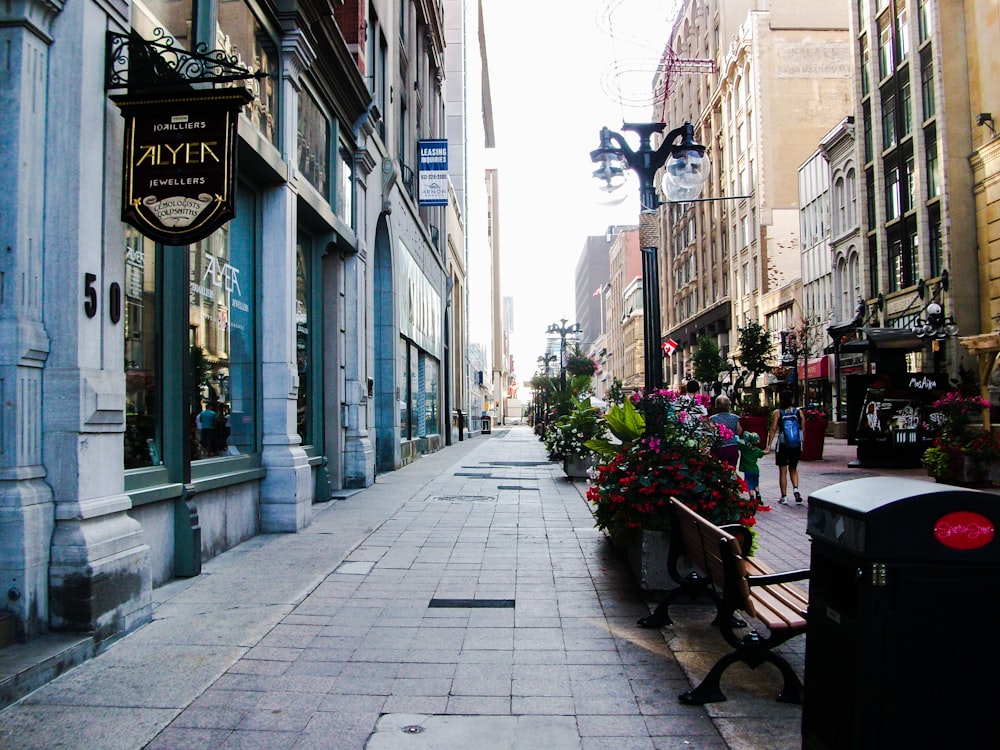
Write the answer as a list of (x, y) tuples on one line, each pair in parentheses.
[(562, 331), (935, 326), (686, 168)]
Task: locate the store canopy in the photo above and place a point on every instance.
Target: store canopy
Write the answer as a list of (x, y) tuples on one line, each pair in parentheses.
[(885, 338)]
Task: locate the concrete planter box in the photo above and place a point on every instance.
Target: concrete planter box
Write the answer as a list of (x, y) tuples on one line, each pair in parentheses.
[(576, 467)]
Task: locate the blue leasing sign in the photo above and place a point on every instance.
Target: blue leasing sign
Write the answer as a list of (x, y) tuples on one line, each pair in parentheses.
[(433, 172)]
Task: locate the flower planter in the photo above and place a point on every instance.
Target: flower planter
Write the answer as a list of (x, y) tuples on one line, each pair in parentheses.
[(647, 553), (755, 423), (974, 474), (815, 437), (577, 467), (647, 556)]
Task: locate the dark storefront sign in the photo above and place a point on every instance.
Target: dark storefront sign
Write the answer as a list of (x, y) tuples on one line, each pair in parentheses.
[(180, 162), (887, 416)]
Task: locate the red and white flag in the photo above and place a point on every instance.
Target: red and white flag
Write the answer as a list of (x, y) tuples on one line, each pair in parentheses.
[(598, 291), (670, 346)]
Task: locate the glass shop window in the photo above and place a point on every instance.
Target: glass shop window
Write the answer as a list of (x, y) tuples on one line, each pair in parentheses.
[(222, 333), (142, 412), (430, 401), (302, 338), (314, 144)]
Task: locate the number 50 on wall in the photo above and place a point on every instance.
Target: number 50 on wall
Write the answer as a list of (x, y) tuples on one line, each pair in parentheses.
[(90, 301)]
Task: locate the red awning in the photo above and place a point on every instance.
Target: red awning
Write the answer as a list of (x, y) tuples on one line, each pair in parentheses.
[(815, 368)]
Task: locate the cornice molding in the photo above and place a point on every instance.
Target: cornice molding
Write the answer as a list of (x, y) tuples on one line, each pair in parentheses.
[(34, 15)]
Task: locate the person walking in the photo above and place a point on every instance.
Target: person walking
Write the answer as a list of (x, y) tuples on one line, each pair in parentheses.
[(750, 454), (786, 432), (729, 451), (688, 401)]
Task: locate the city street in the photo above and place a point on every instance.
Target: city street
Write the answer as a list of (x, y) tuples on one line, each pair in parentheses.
[(464, 600)]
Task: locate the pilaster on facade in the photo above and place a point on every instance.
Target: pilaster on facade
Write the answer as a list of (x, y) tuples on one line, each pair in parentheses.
[(99, 577)]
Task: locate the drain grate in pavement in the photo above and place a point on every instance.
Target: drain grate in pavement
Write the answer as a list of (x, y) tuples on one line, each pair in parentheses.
[(515, 487), (517, 463), (847, 474), (464, 498), (477, 475), (471, 604)]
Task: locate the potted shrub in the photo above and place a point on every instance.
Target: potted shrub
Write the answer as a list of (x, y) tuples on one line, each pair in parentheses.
[(566, 439), (963, 451), (634, 478)]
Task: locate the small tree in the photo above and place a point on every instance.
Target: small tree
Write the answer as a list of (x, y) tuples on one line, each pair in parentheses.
[(707, 359), (756, 350), (615, 393)]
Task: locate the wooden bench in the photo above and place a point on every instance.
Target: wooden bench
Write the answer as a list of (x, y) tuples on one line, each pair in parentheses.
[(736, 582)]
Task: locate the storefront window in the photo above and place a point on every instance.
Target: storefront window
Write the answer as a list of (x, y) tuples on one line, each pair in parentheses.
[(403, 396), (314, 144), (431, 368), (221, 325), (142, 417), (345, 192), (302, 341)]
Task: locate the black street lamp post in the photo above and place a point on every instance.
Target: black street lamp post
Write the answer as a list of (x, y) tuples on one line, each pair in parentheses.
[(562, 331), (685, 171)]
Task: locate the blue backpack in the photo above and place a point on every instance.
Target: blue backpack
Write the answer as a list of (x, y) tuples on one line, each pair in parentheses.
[(790, 436)]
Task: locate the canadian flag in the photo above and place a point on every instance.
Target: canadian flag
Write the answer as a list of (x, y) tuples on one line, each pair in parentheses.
[(670, 346), (598, 291)]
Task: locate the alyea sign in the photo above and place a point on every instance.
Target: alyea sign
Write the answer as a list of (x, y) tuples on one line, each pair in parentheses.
[(180, 162)]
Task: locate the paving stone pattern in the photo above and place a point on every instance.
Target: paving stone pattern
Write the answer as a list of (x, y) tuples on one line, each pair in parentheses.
[(327, 638)]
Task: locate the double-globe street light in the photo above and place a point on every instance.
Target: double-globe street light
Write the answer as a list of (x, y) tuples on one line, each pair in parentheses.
[(562, 331), (685, 170)]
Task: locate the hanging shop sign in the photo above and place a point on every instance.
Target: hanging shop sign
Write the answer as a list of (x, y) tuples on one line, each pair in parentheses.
[(433, 172), (179, 162)]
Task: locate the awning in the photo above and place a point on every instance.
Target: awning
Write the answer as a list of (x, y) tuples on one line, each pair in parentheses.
[(815, 368), (885, 338)]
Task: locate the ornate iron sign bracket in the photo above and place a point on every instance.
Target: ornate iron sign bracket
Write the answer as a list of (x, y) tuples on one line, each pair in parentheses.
[(139, 64)]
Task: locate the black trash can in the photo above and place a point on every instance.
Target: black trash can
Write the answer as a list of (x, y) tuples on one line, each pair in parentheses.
[(904, 600), (487, 424)]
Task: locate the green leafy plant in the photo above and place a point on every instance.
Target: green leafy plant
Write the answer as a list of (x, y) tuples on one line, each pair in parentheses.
[(707, 360), (567, 438)]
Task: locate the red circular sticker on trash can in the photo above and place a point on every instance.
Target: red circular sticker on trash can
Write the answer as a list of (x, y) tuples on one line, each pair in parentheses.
[(964, 529)]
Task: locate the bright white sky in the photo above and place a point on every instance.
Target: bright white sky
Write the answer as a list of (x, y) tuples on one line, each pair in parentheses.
[(548, 63)]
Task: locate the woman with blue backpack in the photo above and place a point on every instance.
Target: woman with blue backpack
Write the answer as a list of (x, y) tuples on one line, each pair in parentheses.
[(788, 426)]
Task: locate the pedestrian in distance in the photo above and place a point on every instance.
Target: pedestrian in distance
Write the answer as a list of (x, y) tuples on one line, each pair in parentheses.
[(729, 451), (750, 454), (785, 434), (688, 401)]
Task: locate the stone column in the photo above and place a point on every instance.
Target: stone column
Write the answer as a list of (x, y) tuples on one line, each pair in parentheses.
[(359, 453), (26, 505), (287, 490), (99, 576)]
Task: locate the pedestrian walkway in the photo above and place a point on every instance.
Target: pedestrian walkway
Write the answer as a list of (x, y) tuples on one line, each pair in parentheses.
[(464, 600)]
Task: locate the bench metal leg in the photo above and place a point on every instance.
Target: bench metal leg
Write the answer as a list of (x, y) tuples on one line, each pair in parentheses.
[(753, 652), (709, 691), (692, 585)]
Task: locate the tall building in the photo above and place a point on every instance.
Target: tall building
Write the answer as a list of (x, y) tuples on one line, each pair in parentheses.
[(846, 249), (589, 280), (762, 82), (624, 311), (915, 126)]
